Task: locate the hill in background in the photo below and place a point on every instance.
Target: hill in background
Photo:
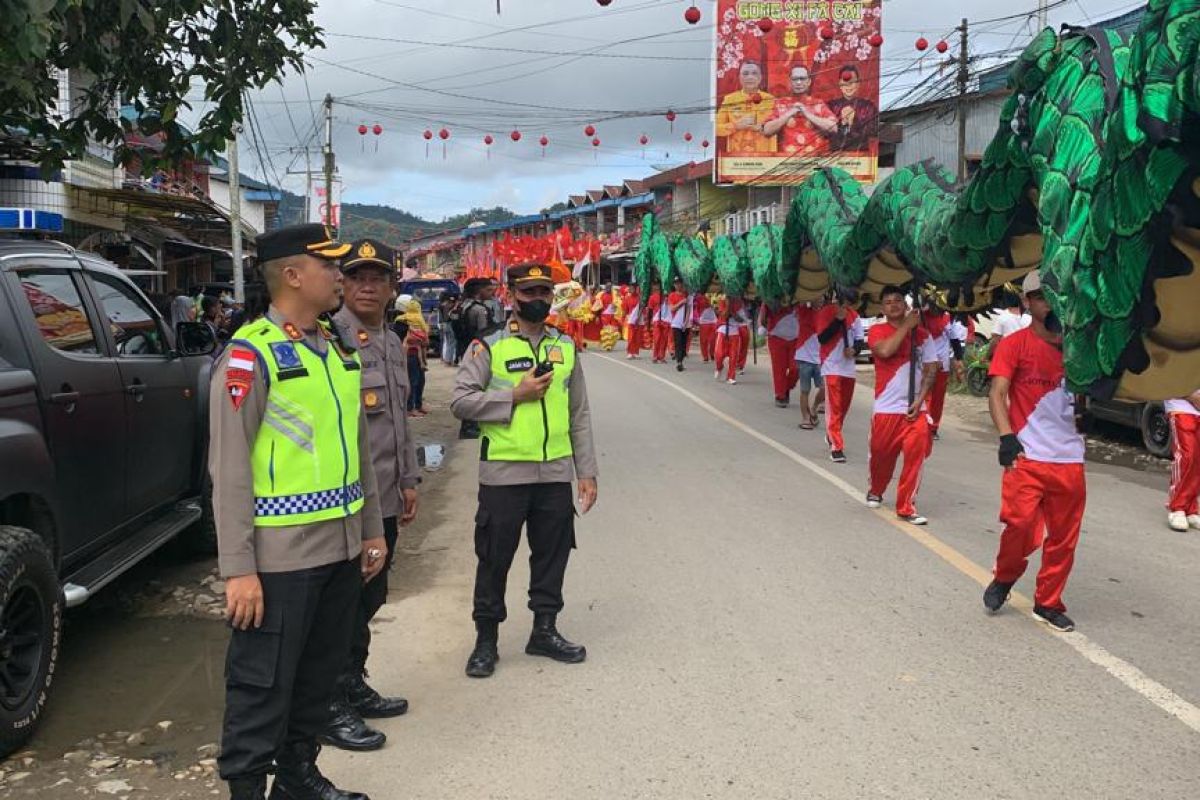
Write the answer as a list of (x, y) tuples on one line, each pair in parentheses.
[(391, 225)]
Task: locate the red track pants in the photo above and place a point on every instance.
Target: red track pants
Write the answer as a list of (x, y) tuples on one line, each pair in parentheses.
[(1185, 472), (784, 372), (839, 391), (728, 347), (937, 399), (662, 338), (708, 340), (1041, 505), (634, 335), (744, 353), (891, 436)]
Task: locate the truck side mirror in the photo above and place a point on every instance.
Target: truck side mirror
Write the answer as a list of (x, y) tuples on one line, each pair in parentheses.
[(194, 339)]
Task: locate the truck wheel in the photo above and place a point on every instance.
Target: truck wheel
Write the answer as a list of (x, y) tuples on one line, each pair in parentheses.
[(31, 607), (1156, 430), (202, 541)]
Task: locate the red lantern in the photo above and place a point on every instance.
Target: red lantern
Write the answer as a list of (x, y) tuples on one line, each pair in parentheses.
[(595, 142), (692, 15), (545, 140), (644, 140), (826, 32), (942, 46), (376, 129), (428, 135), (488, 140), (679, 181), (604, 2), (590, 130), (687, 137), (922, 44), (515, 136), (443, 134), (704, 144), (875, 40), (362, 130), (765, 24)]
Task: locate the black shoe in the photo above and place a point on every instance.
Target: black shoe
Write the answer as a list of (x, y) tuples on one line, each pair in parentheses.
[(547, 641), (780, 402), (482, 661), (252, 788), (996, 595), (874, 500), (838, 456), (679, 367), (346, 729), (1054, 618), (297, 776), (369, 703)]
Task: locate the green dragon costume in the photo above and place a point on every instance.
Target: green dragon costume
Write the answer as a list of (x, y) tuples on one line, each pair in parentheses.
[(1093, 176)]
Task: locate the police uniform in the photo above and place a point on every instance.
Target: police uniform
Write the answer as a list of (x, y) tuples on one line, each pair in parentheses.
[(385, 390), (529, 454), (294, 497)]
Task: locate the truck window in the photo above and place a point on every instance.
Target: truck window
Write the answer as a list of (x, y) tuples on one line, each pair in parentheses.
[(135, 327), (59, 312)]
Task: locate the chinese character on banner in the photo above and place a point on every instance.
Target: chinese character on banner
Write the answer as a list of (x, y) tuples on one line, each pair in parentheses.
[(799, 93), (318, 209)]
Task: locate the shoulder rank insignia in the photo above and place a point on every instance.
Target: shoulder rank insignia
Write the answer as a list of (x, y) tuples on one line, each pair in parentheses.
[(363, 337), (293, 333)]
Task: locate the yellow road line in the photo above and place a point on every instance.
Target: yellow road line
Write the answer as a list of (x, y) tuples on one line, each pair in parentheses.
[(1122, 670)]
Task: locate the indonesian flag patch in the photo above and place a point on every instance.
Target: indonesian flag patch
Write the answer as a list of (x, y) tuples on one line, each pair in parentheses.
[(239, 376)]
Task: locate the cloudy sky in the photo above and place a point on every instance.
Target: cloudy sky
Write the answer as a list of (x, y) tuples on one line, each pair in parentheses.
[(545, 67)]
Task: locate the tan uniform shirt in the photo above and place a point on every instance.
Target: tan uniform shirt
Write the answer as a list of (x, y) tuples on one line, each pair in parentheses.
[(385, 404), (473, 400), (243, 548)]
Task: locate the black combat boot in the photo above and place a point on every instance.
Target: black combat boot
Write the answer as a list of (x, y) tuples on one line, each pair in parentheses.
[(346, 729), (251, 788), (482, 662), (297, 776), (547, 641), (369, 703)]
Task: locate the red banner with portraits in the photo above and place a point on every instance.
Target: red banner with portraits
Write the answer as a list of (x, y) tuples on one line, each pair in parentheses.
[(797, 89)]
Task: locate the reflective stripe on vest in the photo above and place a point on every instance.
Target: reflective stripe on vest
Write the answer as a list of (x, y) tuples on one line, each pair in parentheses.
[(305, 457), (538, 431)]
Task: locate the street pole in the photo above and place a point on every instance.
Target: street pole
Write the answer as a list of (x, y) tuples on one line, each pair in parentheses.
[(963, 76), (1041, 18), (329, 161), (235, 220)]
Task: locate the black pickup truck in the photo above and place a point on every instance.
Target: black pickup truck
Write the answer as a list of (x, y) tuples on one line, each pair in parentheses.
[(102, 440)]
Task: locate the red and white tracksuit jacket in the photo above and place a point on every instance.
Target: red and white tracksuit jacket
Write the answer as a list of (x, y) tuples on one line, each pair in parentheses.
[(1185, 470), (1042, 496), (783, 331), (706, 318), (730, 333)]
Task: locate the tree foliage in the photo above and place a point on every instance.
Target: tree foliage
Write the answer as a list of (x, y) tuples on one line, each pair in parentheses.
[(147, 53)]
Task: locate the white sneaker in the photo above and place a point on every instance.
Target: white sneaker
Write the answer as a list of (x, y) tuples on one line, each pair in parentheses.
[(717, 375), (1177, 521), (1194, 521), (874, 501), (914, 519), (731, 381)]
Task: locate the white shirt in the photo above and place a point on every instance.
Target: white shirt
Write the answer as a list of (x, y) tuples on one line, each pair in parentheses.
[(1009, 323), (787, 327), (836, 363), (1181, 406), (679, 318)]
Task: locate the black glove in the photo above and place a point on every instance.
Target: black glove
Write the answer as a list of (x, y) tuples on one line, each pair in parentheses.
[(1010, 448)]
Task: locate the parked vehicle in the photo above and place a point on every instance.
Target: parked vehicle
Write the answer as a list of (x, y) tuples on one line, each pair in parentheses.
[(103, 415), (977, 363), (1149, 419)]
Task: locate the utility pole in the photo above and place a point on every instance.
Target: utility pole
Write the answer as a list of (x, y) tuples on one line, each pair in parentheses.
[(329, 161), (963, 75), (307, 173), (1041, 18), (235, 219)]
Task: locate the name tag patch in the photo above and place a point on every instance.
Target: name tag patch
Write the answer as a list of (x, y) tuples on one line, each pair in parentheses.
[(519, 364)]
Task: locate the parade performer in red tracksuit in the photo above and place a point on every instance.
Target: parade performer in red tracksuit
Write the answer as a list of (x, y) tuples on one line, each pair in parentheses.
[(607, 301), (783, 330), (840, 333), (900, 420), (1043, 492), (634, 330), (730, 316), (679, 306), (706, 318), (660, 314), (938, 324), (1183, 507)]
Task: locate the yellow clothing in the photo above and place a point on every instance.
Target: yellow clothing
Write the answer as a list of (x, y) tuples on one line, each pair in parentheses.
[(733, 107)]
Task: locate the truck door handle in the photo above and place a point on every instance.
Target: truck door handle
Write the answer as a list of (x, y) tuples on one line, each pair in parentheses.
[(67, 398), (137, 389)]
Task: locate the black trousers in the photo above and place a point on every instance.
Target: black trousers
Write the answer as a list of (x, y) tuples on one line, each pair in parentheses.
[(279, 678), (374, 595), (547, 512), (681, 343)]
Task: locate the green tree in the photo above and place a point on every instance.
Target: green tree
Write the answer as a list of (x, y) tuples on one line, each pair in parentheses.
[(149, 53)]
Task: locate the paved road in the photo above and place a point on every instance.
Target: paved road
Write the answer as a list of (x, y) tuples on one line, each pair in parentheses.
[(754, 631)]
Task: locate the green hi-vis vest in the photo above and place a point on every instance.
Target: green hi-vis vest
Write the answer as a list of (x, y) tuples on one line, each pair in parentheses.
[(538, 431), (305, 457)]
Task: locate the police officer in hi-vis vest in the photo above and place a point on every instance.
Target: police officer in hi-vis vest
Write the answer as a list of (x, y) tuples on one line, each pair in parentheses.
[(368, 278), (523, 383), (298, 521)]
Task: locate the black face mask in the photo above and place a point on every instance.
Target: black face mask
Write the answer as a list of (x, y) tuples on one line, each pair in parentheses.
[(534, 310)]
